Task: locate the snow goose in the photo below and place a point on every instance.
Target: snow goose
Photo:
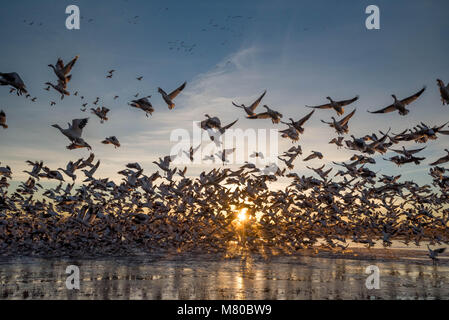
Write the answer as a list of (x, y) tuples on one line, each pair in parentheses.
[(62, 70), (13, 79), (143, 104), (313, 155), (341, 126), (336, 105), (298, 125), (168, 98), (75, 130), (60, 87), (400, 105), (101, 113), (270, 114), (112, 140), (250, 110)]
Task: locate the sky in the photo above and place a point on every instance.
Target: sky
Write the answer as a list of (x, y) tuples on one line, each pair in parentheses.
[(299, 51)]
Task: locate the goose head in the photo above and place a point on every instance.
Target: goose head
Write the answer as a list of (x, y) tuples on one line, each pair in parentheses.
[(440, 83), (394, 97), (330, 99)]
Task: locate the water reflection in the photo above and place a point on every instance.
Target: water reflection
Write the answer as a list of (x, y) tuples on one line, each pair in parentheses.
[(207, 278)]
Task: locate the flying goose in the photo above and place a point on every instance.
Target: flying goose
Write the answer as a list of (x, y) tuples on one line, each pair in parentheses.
[(400, 105), (337, 141), (298, 125), (256, 154), (270, 114), (215, 135), (250, 110), (290, 133), (75, 130), (101, 113), (60, 87), (13, 79), (336, 105), (341, 126), (143, 104), (210, 123), (3, 120), (433, 254), (223, 154), (168, 98), (313, 155), (112, 140), (191, 152), (444, 92), (442, 160), (62, 70), (408, 153)]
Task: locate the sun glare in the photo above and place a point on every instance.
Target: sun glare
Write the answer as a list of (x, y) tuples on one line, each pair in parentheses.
[(242, 215)]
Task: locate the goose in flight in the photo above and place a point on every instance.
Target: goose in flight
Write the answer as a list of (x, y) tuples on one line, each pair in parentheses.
[(3, 120), (210, 123), (441, 160), (336, 105), (337, 141), (433, 254), (164, 163), (62, 70), (408, 153), (400, 105), (250, 110), (215, 135), (112, 140), (341, 126), (60, 87), (256, 154), (75, 130), (223, 154), (444, 92), (290, 133), (270, 114), (298, 125), (13, 79), (168, 98), (192, 152), (143, 104), (101, 113), (315, 154)]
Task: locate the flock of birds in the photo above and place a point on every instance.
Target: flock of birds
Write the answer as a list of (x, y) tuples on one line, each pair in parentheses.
[(225, 207)]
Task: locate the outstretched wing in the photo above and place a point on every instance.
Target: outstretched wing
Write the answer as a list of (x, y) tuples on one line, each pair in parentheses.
[(223, 129), (345, 120), (264, 115), (412, 98), (324, 106), (177, 91), (440, 250), (388, 109), (78, 125), (440, 161), (347, 102), (257, 102), (305, 119)]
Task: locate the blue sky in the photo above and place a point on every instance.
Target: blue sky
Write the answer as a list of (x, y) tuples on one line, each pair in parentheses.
[(300, 51)]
